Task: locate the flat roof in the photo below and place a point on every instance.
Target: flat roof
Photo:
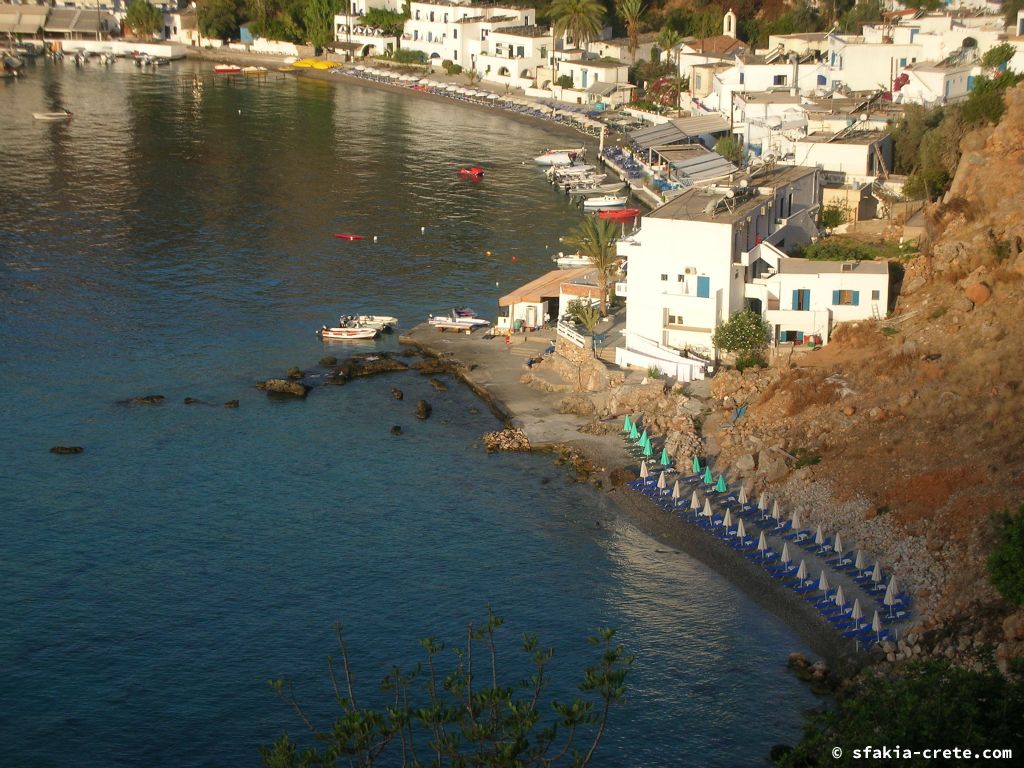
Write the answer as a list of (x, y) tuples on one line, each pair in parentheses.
[(698, 204), (769, 97), (547, 285), (523, 31), (858, 137), (795, 266)]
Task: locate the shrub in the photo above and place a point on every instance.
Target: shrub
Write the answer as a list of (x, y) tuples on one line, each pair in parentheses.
[(455, 69), (406, 56), (837, 250), (1006, 563), (750, 360), (564, 81), (745, 331), (654, 372), (832, 215)]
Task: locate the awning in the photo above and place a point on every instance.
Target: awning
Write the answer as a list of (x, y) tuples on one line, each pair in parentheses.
[(546, 286), (602, 89), (682, 129), (707, 166)]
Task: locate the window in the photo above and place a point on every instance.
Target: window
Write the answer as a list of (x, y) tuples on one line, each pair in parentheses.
[(680, 278), (696, 82), (876, 295), (742, 77), (431, 15), (520, 51), (417, 17), (675, 319), (779, 80), (446, 18), (455, 34), (845, 298), (802, 299), (703, 286), (664, 278), (903, 61)]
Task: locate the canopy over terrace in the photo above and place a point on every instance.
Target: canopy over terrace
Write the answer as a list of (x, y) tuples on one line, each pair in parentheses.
[(541, 298), (22, 19)]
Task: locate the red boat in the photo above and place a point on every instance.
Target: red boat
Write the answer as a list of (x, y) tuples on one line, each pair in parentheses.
[(227, 69), (351, 237), (623, 214), (472, 173)]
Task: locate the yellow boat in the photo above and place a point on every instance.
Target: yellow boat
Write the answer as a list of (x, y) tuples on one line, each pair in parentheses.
[(287, 68), (324, 65), (304, 63)]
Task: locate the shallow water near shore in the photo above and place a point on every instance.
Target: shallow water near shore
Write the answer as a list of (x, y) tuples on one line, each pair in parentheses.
[(177, 239)]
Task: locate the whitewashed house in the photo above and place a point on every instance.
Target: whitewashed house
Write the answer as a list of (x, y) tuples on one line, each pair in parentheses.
[(763, 74), (935, 84), (593, 80), (459, 32), (545, 299), (618, 48), (688, 265), (514, 55)]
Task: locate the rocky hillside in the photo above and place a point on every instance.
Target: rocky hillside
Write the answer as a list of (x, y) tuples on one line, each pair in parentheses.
[(906, 434)]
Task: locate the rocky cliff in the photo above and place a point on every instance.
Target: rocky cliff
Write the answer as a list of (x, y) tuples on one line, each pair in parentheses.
[(905, 434)]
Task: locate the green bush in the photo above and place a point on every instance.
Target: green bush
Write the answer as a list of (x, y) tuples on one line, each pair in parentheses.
[(837, 250), (564, 81), (406, 56), (453, 69), (744, 332), (832, 215), (750, 360), (1006, 563)]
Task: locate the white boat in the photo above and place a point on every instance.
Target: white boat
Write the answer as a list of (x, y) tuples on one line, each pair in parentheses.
[(458, 318), (383, 323), (564, 171), (572, 260), (52, 117), (560, 156), (605, 202), (598, 189), (346, 333)]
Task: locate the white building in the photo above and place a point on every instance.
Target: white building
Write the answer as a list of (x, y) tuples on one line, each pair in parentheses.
[(459, 32), (618, 48), (545, 299), (514, 55), (771, 73), (935, 84), (593, 80), (688, 265)]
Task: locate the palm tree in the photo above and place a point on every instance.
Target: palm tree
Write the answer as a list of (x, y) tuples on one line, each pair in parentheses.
[(631, 12), (589, 317), (668, 41), (580, 19), (595, 238)]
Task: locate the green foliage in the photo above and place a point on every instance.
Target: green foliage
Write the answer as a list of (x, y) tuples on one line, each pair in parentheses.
[(750, 360), (319, 19), (998, 55), (631, 12), (861, 13), (580, 19), (595, 238), (832, 215), (916, 122), (143, 18), (1010, 8), (578, 310), (669, 40), (731, 148), (1006, 563), (933, 704), (390, 23), (837, 249), (890, 330), (467, 716), (218, 19), (744, 332), (405, 56), (985, 103), (806, 458), (653, 372)]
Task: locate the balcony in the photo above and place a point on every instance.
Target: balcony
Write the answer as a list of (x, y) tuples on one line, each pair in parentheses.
[(620, 289)]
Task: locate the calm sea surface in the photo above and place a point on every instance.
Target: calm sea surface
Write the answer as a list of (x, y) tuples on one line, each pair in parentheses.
[(177, 239)]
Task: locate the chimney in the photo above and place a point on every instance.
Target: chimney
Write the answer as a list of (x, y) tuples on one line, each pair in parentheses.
[(794, 88)]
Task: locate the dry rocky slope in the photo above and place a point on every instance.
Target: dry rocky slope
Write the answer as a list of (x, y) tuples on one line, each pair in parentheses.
[(915, 422)]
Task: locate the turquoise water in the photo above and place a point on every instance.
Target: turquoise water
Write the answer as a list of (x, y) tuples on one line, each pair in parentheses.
[(177, 239)]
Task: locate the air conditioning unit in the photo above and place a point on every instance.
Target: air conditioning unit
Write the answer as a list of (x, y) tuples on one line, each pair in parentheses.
[(690, 271)]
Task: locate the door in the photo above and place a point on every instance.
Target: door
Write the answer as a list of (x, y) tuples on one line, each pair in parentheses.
[(531, 316)]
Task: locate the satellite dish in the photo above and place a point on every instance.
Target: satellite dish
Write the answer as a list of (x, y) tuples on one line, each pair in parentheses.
[(730, 193), (863, 117), (744, 183)]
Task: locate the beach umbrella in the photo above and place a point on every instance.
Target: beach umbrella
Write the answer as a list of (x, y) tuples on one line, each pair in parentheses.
[(644, 472), (424, 81), (892, 585), (889, 599), (661, 482), (762, 545), (794, 522), (727, 520), (743, 496), (664, 460), (840, 596), (801, 572), (634, 433), (786, 558), (696, 465), (838, 546), (720, 486), (859, 562), (876, 574), (823, 584), (819, 537), (493, 96), (876, 624), (647, 442), (648, 449), (626, 424), (856, 614), (776, 514), (643, 438), (762, 503), (675, 491), (708, 477), (707, 511), (741, 530), (694, 501)]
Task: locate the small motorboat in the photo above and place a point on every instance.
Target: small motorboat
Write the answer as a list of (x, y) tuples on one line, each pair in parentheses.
[(227, 69), (383, 323), (605, 202), (459, 319), (621, 214), (472, 173), (348, 328), (559, 156), (572, 260), (345, 236), (253, 70), (52, 117)]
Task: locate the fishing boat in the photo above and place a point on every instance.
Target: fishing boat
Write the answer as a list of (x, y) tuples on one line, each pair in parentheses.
[(227, 69), (346, 333), (383, 323), (560, 156), (621, 214), (473, 172), (598, 189), (572, 260), (461, 319), (346, 236), (605, 202), (52, 117), (253, 70)]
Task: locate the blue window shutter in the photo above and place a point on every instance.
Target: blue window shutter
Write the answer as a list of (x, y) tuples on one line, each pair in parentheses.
[(821, 80), (807, 299), (856, 298), (799, 337), (703, 287), (796, 299), (835, 298), (970, 82)]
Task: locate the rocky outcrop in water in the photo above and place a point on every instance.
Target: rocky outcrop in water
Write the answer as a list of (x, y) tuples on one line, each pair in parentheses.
[(510, 439), (145, 400), (66, 449), (397, 393), (231, 404), (423, 410), (284, 387), (439, 385)]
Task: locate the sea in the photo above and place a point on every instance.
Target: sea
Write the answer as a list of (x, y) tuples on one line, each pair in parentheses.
[(176, 238)]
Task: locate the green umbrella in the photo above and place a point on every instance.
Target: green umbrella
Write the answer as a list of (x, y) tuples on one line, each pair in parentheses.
[(665, 460), (648, 450), (627, 424), (633, 433), (643, 438), (720, 486), (647, 443), (708, 477), (696, 465)]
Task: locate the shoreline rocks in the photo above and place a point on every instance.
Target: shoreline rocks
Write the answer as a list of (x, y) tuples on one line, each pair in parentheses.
[(66, 450), (510, 439), (284, 387)]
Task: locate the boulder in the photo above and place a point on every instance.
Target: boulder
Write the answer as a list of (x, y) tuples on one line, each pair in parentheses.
[(621, 476), (294, 372), (745, 463), (397, 393), (962, 304), (978, 293), (431, 366), (145, 400), (423, 410), (231, 404), (439, 385), (914, 284), (510, 439), (772, 465), (66, 449), (328, 362), (283, 387), (396, 430)]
